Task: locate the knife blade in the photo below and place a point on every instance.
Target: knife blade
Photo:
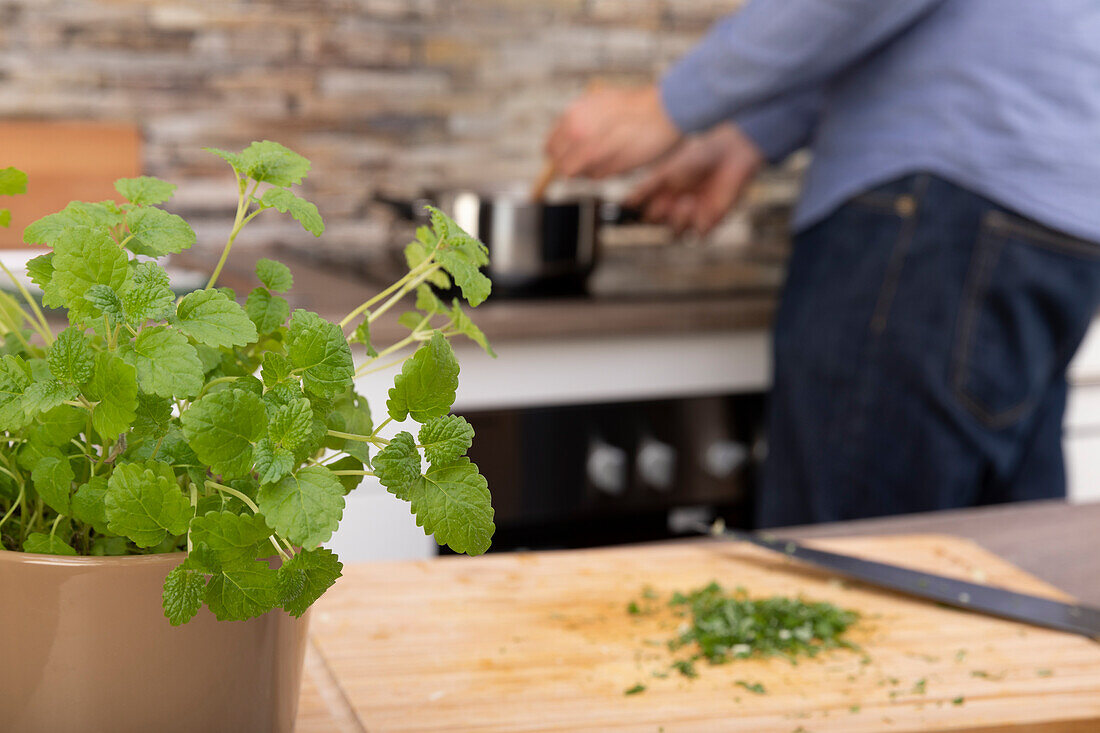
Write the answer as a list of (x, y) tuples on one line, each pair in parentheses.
[(962, 594)]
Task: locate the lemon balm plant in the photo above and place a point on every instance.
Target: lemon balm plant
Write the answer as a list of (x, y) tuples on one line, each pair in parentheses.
[(157, 424)]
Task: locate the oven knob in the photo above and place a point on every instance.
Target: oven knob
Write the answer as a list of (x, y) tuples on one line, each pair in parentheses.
[(606, 468), (723, 457), (657, 463)]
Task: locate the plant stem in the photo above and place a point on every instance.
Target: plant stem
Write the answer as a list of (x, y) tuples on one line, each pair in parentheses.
[(403, 291), (55, 523), (350, 436), (360, 371), (378, 428), (251, 505), (409, 275), (42, 327), (238, 224), (194, 503), (18, 502), (353, 473)]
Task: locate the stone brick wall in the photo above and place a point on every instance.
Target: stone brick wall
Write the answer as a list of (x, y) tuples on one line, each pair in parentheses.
[(392, 94)]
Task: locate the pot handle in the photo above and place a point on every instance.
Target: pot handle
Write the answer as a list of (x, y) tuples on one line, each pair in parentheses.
[(407, 209)]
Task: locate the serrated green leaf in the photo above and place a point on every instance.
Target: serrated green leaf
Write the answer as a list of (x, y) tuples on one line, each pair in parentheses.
[(427, 384), (241, 593), (267, 311), (350, 414), (47, 544), (88, 504), (40, 270), (148, 296), (70, 356), (113, 388), (222, 428), (274, 275), (272, 163), (348, 463), (235, 539), (153, 416), (181, 599), (105, 301), (145, 190), (303, 211), (276, 369), (446, 438), (305, 578), (58, 426), (93, 260), (428, 301), (144, 503), (5, 218), (320, 353), (397, 466), (155, 232), (475, 286), (232, 159), (44, 396), (304, 507), (461, 323), (166, 363), (77, 222), (53, 480), (410, 320), (15, 377), (290, 425), (451, 502), (211, 318), (12, 182), (418, 251), (273, 462), (361, 335)]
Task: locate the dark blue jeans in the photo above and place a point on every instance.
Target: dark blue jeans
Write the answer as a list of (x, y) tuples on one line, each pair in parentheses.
[(920, 355)]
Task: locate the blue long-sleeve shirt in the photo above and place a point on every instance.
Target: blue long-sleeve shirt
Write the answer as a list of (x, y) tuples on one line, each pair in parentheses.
[(999, 96)]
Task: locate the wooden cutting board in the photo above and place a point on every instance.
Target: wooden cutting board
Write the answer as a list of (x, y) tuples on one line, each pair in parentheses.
[(543, 642)]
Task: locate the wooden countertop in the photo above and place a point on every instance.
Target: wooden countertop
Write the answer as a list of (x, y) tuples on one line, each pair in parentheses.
[(332, 294), (541, 641)]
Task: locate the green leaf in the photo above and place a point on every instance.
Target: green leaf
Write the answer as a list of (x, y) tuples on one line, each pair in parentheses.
[(155, 232), (398, 465), (319, 351), (242, 593), (274, 275), (45, 396), (58, 426), (267, 311), (145, 190), (183, 592), (305, 578), (222, 427), (304, 507), (428, 301), (211, 318), (461, 323), (232, 159), (305, 212), (15, 377), (273, 462), (70, 357), (40, 270), (276, 368), (348, 463), (166, 363), (88, 504), (5, 218), (144, 503), (148, 296), (427, 384), (53, 480), (12, 182), (290, 425), (105, 300), (153, 416), (114, 388), (462, 256), (446, 438), (46, 544), (79, 221), (410, 320), (451, 502), (93, 260), (234, 539), (350, 414), (361, 335), (272, 163)]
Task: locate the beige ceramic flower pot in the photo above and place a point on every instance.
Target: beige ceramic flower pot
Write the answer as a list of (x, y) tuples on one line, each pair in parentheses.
[(85, 646)]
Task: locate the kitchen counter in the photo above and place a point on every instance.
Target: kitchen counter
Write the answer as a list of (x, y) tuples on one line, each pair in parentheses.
[(542, 641), (330, 293)]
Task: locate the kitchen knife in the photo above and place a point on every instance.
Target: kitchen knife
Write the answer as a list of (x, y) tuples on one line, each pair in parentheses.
[(949, 591)]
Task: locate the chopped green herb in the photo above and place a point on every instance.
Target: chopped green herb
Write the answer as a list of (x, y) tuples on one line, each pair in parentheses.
[(754, 687), (635, 689), (1044, 672), (686, 667), (958, 700), (986, 675), (960, 655), (854, 709), (633, 609), (918, 686)]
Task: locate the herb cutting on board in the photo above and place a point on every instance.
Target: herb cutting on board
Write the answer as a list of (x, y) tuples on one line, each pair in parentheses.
[(945, 262)]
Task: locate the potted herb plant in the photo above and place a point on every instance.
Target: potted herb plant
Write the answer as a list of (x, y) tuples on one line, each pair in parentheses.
[(168, 464)]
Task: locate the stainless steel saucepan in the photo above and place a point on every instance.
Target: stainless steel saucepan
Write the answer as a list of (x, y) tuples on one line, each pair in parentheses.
[(535, 247)]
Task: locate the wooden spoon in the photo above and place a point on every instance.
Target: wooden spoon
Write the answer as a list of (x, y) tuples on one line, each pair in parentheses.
[(544, 180)]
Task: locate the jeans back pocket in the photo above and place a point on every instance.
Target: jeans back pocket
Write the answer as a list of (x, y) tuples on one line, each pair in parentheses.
[(1029, 298)]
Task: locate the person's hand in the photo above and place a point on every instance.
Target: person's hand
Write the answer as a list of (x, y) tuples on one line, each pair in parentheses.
[(700, 182), (611, 130)]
